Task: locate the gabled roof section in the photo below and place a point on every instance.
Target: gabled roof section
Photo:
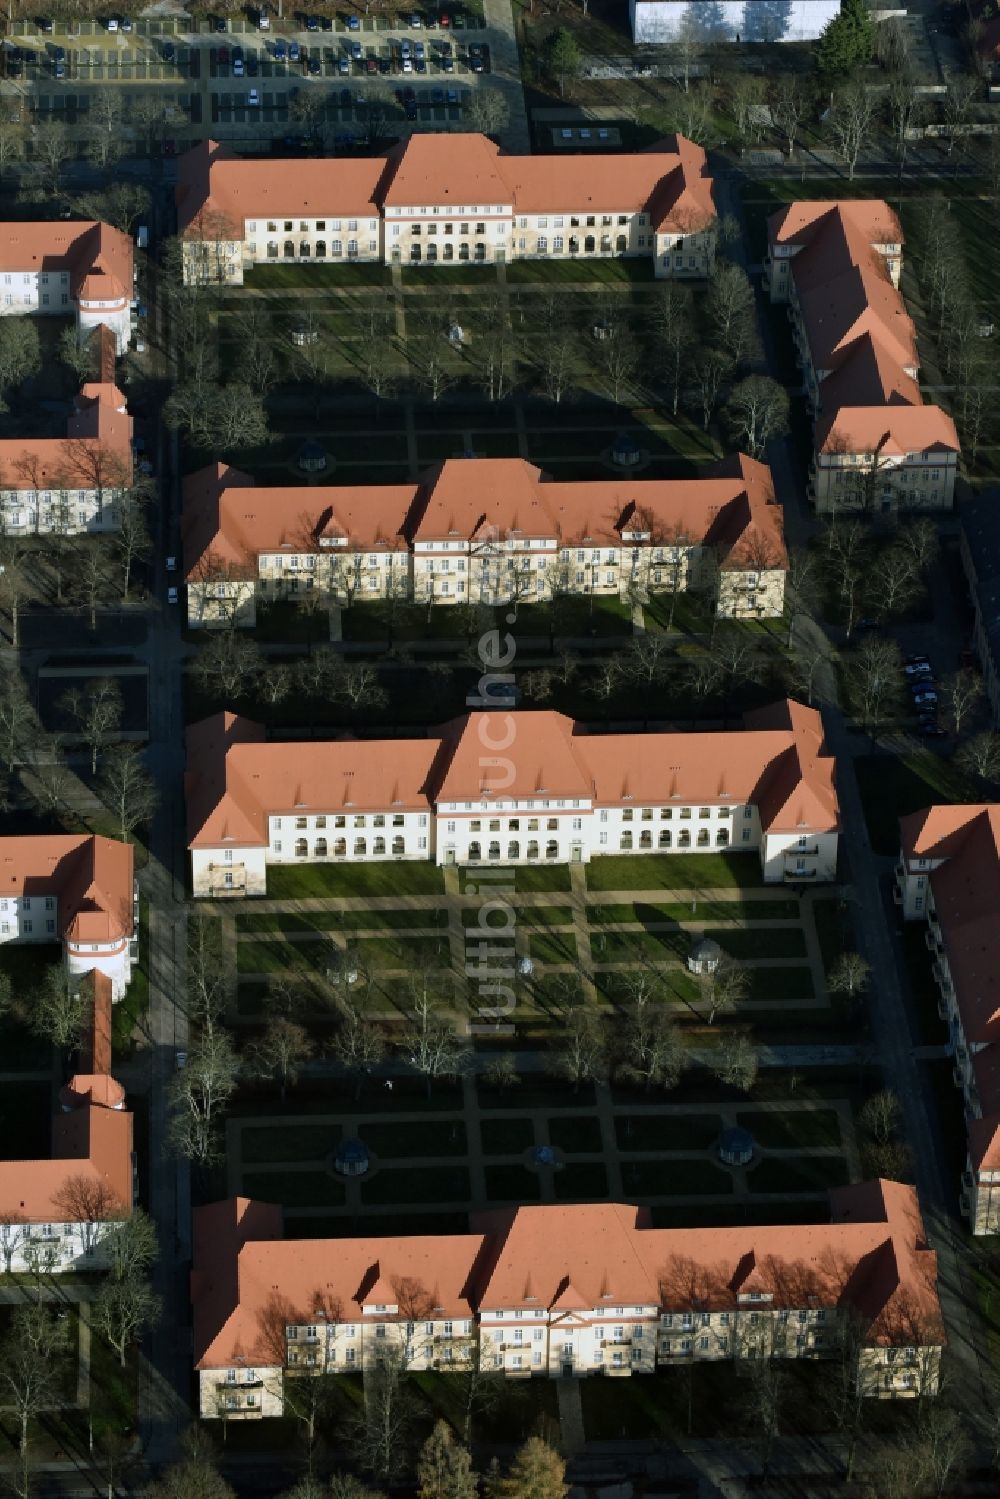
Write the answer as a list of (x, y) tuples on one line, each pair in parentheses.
[(890, 430), (545, 762), (442, 169), (90, 875)]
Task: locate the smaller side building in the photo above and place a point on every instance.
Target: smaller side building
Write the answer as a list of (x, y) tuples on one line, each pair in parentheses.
[(65, 267), (55, 1213), (72, 484), (666, 22), (77, 889), (948, 877)]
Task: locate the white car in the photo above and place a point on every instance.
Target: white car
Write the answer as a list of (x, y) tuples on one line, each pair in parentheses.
[(238, 67), (140, 344), (253, 99), (263, 21), (172, 595), (407, 64), (112, 24)]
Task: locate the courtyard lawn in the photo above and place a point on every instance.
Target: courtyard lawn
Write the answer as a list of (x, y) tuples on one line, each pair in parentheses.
[(333, 921), (334, 277), (416, 1184), (576, 1134), (780, 983), (758, 943), (301, 881), (833, 928), (581, 1181), (799, 1174), (667, 1131), (266, 1145), (693, 911), (422, 1137), (674, 872), (506, 1136), (675, 1179), (598, 272), (552, 947), (540, 878), (801, 1129), (294, 1189), (512, 1184), (677, 986), (526, 916)]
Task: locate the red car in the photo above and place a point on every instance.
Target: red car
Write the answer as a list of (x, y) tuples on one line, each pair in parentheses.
[(223, 54), (444, 20), (371, 65)]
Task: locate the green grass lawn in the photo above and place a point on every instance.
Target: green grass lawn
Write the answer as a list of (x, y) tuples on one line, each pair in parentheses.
[(833, 928), (266, 1145), (674, 1179), (416, 1184), (802, 1128), (803, 1174), (526, 916), (506, 1136), (780, 983), (540, 878), (674, 872), (335, 277), (892, 786), (512, 1184), (581, 1181), (552, 947), (559, 272), (335, 921), (423, 1137), (576, 1134), (300, 881), (667, 1131), (294, 1189), (694, 910)]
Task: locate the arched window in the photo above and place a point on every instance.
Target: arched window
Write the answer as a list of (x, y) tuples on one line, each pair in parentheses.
[(703, 838), (645, 839), (340, 848), (480, 250), (574, 244), (621, 244), (449, 252), (379, 846), (494, 850), (722, 838), (304, 248), (463, 252), (532, 849), (414, 252), (399, 846), (320, 249), (289, 250), (552, 849), (301, 848), (626, 840), (665, 838), (588, 244), (684, 839), (360, 848), (475, 852), (320, 849), (432, 252), (514, 850)]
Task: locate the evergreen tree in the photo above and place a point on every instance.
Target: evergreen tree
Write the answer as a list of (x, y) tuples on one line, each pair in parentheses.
[(444, 1470), (848, 41), (538, 1472)]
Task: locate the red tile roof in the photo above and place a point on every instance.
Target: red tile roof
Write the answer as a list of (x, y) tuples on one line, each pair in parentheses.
[(248, 1284), (76, 246), (92, 877), (92, 1150), (96, 451), (216, 190), (228, 521), (235, 777)]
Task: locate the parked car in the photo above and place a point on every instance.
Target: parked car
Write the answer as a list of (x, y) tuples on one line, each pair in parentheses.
[(111, 24), (357, 51), (171, 564), (437, 96), (411, 109), (371, 65), (927, 729), (45, 25), (312, 23), (444, 20), (407, 64), (343, 64), (353, 23), (384, 66), (169, 52), (280, 51), (253, 66), (925, 696), (237, 67), (448, 64), (326, 22), (416, 21), (418, 51), (126, 25), (263, 21), (219, 23), (253, 99), (172, 597), (453, 96), (294, 52), (315, 67), (59, 69)]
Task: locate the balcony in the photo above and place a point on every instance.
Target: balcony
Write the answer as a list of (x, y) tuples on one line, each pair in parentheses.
[(798, 852)]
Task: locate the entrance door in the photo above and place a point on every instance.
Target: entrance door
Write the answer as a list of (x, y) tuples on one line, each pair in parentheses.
[(449, 855), (576, 853)]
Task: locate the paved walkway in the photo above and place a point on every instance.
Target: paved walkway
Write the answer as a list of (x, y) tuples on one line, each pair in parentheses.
[(506, 73)]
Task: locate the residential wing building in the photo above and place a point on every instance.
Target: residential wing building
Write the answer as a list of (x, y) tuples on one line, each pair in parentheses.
[(67, 267), (506, 789), (74, 484), (878, 448), (77, 889), (562, 1291), (948, 878), (479, 530), (439, 198)]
